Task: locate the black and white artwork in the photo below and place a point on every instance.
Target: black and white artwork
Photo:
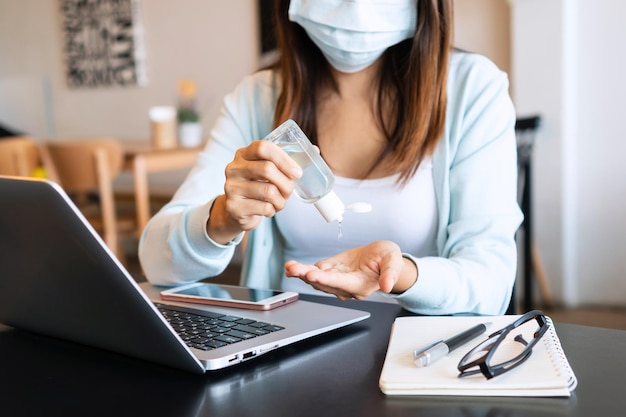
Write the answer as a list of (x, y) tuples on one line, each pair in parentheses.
[(103, 43)]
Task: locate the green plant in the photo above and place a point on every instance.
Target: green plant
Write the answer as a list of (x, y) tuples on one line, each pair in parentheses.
[(188, 115)]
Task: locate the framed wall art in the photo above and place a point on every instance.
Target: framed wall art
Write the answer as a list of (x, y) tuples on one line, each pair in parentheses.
[(104, 43)]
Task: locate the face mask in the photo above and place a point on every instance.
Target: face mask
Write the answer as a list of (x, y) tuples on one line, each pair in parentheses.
[(354, 34)]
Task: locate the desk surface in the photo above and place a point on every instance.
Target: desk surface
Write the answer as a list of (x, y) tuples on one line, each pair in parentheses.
[(331, 375)]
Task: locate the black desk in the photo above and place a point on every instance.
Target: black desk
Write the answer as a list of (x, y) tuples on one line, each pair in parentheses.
[(331, 375)]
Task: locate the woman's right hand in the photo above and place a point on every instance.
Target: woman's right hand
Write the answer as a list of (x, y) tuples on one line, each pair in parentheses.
[(258, 182)]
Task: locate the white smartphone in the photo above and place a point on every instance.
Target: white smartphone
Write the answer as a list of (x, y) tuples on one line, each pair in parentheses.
[(229, 296)]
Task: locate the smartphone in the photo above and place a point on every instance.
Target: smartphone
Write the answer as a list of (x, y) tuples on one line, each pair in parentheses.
[(229, 296)]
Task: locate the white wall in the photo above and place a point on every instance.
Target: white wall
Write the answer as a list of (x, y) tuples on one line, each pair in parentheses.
[(568, 64), (214, 42)]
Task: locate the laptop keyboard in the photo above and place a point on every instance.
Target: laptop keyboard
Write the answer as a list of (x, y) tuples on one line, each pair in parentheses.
[(207, 330)]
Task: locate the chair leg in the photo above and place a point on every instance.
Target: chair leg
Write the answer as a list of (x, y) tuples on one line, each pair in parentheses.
[(107, 204), (512, 308), (542, 277), (121, 254), (528, 238)]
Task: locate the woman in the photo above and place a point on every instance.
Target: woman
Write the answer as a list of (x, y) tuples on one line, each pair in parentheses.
[(422, 132)]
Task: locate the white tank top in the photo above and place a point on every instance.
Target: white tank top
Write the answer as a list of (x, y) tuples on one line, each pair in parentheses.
[(405, 215)]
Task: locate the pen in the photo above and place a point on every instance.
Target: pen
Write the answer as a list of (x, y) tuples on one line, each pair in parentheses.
[(428, 354)]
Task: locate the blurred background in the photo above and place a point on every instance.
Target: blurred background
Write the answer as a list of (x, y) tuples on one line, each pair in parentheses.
[(564, 58)]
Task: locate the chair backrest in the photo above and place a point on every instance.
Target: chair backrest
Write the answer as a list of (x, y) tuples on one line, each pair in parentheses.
[(19, 156), (525, 132), (82, 165), (526, 129), (90, 165)]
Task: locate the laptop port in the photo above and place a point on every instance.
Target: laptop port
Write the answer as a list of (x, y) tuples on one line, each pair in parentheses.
[(248, 355)]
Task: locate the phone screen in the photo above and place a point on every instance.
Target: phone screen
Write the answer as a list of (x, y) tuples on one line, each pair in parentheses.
[(228, 293)]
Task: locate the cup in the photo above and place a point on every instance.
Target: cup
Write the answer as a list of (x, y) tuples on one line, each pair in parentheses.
[(163, 127)]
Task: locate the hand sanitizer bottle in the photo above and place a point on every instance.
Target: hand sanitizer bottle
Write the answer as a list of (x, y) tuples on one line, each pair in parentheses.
[(317, 181)]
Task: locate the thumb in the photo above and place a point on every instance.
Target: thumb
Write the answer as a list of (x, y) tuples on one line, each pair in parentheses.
[(387, 279)]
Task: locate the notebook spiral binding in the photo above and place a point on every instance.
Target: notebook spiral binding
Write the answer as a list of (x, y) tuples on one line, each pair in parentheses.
[(557, 355)]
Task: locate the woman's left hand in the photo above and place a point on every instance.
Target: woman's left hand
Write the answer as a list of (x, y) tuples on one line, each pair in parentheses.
[(358, 272)]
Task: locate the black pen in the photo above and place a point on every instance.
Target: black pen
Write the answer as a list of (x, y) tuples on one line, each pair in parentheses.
[(428, 354)]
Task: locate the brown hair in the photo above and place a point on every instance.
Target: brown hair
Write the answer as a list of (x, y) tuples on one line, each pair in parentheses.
[(411, 83)]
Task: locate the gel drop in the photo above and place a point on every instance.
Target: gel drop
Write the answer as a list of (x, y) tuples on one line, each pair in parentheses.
[(316, 183)]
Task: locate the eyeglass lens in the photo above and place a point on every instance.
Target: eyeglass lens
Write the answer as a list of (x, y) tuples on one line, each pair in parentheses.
[(505, 349)]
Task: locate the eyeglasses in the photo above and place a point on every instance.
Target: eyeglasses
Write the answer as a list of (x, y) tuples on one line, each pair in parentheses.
[(500, 352)]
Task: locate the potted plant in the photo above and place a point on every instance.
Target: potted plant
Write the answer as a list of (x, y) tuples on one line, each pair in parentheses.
[(188, 117)]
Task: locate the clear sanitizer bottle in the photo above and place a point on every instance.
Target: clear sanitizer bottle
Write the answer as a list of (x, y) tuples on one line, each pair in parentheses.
[(317, 181)]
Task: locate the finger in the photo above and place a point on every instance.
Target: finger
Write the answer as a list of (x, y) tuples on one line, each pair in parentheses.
[(384, 271), (388, 279), (328, 265), (255, 188), (268, 151), (297, 270), (345, 262), (350, 285), (249, 172), (342, 295), (390, 268), (264, 195)]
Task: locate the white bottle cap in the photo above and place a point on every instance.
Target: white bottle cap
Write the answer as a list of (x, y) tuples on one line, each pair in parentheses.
[(330, 207)]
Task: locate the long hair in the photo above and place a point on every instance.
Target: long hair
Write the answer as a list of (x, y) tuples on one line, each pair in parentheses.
[(411, 87)]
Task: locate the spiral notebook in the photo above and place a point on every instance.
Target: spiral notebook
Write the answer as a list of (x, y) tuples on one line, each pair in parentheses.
[(546, 373)]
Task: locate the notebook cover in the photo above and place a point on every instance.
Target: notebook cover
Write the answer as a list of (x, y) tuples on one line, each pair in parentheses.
[(546, 373)]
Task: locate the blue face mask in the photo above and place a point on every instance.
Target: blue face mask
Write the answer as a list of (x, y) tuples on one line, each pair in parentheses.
[(352, 35)]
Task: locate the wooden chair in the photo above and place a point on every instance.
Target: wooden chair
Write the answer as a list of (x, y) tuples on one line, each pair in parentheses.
[(86, 170), (19, 156), (150, 162)]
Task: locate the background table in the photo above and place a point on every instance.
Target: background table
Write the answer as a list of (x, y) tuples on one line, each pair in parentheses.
[(331, 375), (142, 159)]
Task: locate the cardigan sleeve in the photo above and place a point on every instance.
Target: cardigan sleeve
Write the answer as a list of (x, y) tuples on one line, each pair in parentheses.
[(174, 247)]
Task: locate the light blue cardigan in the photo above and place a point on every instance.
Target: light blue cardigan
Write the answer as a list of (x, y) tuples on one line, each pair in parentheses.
[(475, 175)]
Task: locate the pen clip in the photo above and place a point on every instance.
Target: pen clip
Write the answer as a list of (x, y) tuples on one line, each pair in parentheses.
[(428, 354), (423, 349)]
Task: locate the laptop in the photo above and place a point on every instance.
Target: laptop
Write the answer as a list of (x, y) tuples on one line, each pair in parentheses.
[(58, 278)]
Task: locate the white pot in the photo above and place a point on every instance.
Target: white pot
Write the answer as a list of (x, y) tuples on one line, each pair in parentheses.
[(190, 134)]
